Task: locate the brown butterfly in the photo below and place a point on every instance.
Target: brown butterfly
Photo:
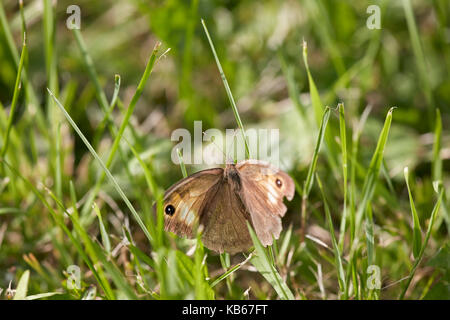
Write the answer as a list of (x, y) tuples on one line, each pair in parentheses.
[(222, 200)]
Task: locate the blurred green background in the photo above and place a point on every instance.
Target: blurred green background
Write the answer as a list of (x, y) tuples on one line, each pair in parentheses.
[(259, 44)]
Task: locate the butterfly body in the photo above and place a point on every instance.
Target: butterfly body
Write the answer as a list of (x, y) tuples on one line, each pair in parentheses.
[(221, 201)]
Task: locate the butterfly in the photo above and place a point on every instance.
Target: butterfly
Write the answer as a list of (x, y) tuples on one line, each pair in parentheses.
[(222, 200)]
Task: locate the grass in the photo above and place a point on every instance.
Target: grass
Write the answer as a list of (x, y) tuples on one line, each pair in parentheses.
[(85, 147)]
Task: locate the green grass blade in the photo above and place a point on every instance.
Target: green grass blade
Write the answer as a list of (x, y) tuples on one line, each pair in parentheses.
[(437, 160), (129, 112), (42, 295), (89, 64), (22, 287), (58, 162), (370, 239), (419, 56), (230, 271), (336, 250), (417, 233), (285, 245), (322, 24), (425, 242), (104, 234), (17, 89), (157, 233), (293, 90), (354, 159), (261, 261), (201, 286), (344, 174), (105, 169), (372, 175), (318, 111), (182, 166), (31, 95), (228, 90), (312, 167), (102, 125), (315, 97)]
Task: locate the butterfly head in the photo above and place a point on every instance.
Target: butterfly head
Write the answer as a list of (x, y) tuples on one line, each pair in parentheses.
[(233, 176)]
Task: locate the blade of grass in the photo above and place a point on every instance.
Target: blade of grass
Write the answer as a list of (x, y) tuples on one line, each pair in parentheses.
[(437, 168), (312, 168), (230, 271), (368, 189), (104, 234), (325, 32), (370, 243), (371, 178), (425, 242), (58, 162), (50, 59), (186, 69), (202, 288), (102, 125), (228, 90), (42, 295), (344, 174), (370, 240), (417, 233), (261, 261), (336, 250), (182, 166), (129, 112), (294, 92), (420, 58), (89, 64), (16, 93), (22, 287), (105, 169), (354, 158), (157, 233), (318, 112), (31, 95), (285, 245)]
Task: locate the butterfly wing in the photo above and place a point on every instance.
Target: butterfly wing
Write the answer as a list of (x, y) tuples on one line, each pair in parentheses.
[(185, 200), (224, 220), (263, 190)]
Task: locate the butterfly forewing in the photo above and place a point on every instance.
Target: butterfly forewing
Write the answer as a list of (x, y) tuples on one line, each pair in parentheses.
[(184, 201)]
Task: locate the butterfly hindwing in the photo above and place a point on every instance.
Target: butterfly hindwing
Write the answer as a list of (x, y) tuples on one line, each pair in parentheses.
[(263, 190), (224, 220)]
